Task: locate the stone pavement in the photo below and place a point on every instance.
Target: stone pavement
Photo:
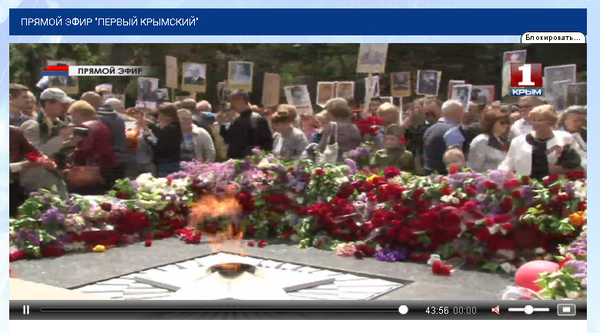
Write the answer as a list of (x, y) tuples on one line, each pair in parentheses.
[(79, 269)]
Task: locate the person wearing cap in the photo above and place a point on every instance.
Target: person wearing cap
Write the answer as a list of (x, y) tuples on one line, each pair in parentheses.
[(197, 143), (46, 131), (109, 116), (394, 154), (165, 138), (94, 149), (18, 102)]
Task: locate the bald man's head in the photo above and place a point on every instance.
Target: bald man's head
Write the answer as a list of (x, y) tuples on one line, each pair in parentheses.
[(203, 106), (92, 98), (453, 110)]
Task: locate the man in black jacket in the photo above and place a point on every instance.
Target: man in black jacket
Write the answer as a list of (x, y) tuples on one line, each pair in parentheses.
[(247, 131)]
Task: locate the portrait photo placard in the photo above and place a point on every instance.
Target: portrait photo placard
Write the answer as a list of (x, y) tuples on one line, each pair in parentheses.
[(298, 96), (371, 58), (508, 58), (451, 85), (344, 89), (556, 74), (147, 92), (372, 85), (194, 77), (325, 92), (483, 94), (428, 82), (68, 84), (240, 75), (577, 94), (171, 72), (400, 84), (462, 93), (271, 90)]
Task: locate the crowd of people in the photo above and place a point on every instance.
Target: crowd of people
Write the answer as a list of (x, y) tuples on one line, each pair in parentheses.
[(84, 146)]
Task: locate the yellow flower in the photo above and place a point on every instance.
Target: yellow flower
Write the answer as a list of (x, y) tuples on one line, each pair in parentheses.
[(372, 178), (99, 248)]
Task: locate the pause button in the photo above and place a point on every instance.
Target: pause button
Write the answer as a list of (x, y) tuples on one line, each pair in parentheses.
[(26, 310)]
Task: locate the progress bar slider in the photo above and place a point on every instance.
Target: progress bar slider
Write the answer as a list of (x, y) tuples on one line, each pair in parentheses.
[(528, 309)]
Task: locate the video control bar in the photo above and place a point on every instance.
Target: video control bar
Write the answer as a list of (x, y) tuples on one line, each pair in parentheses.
[(295, 310)]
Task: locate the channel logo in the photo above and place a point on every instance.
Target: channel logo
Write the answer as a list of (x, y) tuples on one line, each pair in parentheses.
[(526, 79)]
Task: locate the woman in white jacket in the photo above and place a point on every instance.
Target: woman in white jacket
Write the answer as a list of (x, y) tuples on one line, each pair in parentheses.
[(539, 153), (197, 143)]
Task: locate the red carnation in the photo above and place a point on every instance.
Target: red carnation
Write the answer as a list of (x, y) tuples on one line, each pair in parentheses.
[(554, 190), (33, 157), (470, 224), (169, 180), (251, 243), (470, 206), (507, 204), (438, 268), (262, 243), (516, 194), (489, 222), (581, 206), (562, 197), (563, 263), (470, 191), (446, 191), (148, 243), (490, 185), (507, 226), (391, 172), (366, 250), (453, 169), (550, 180), (319, 172), (525, 180), (511, 185), (107, 206), (575, 175)]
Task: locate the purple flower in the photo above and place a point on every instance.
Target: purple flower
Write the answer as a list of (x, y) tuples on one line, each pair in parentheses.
[(69, 202), (74, 209), (570, 189), (391, 255), (350, 163), (47, 198)]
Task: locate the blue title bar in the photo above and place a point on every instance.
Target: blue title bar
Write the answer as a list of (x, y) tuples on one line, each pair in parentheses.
[(294, 22)]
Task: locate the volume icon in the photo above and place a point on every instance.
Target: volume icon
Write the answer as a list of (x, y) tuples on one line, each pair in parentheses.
[(496, 310)]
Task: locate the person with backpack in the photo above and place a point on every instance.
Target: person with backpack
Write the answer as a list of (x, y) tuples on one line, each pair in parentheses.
[(247, 131)]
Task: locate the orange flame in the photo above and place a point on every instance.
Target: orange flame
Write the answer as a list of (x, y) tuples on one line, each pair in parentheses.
[(210, 208)]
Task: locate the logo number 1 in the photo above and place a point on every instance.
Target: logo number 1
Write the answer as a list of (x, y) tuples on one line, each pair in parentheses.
[(526, 77)]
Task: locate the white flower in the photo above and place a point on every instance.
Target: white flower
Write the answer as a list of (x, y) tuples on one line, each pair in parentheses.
[(433, 258), (449, 199), (341, 180), (264, 164), (540, 250), (295, 238), (300, 200), (494, 229), (396, 180)]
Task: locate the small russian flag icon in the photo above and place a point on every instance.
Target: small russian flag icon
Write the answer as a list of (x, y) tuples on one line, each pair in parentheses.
[(56, 71)]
